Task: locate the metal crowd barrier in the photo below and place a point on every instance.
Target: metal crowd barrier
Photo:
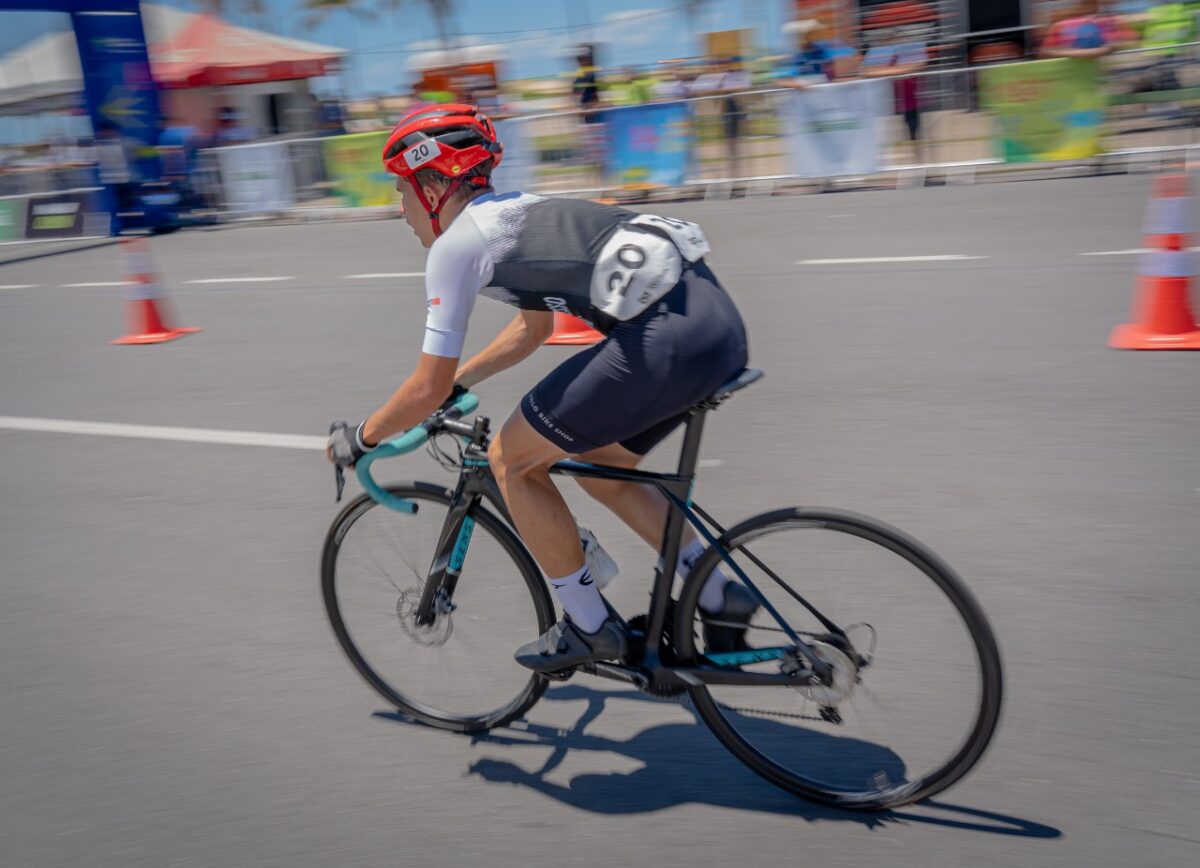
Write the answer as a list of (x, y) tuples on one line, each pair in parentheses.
[(741, 139)]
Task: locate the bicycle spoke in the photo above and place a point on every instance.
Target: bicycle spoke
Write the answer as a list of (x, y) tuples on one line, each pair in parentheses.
[(897, 719)]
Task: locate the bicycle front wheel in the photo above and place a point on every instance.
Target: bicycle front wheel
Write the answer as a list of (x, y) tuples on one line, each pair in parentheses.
[(457, 672), (916, 683)]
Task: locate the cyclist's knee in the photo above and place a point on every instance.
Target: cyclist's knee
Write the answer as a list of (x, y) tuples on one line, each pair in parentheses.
[(520, 453)]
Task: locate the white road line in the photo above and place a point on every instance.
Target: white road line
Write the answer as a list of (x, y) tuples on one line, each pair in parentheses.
[(21, 286), (50, 240), (946, 257), (240, 280), (709, 462), (1133, 251), (97, 283), (156, 432), (384, 275)]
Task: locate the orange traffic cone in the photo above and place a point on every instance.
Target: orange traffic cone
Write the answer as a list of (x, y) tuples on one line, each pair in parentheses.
[(146, 324), (572, 330), (1162, 314)]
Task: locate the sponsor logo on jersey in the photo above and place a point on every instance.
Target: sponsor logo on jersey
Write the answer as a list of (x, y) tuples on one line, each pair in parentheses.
[(556, 304)]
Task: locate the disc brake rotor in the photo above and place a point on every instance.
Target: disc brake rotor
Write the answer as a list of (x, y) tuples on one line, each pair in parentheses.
[(435, 633), (844, 677)]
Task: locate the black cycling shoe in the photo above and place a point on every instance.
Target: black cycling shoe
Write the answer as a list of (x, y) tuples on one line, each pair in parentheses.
[(565, 645), (739, 606)]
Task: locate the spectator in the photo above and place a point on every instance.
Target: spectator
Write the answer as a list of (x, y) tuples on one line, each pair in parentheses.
[(586, 91), (818, 55), (1167, 25), (230, 129), (1083, 35), (587, 94), (115, 172), (728, 79), (901, 57)]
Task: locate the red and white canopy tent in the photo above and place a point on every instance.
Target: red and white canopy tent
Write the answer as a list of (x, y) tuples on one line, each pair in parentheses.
[(209, 52), (194, 56)]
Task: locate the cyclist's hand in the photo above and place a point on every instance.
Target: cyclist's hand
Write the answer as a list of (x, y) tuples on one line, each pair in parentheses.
[(345, 445)]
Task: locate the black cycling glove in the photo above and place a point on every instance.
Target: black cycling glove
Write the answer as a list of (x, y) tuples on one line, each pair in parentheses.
[(346, 444)]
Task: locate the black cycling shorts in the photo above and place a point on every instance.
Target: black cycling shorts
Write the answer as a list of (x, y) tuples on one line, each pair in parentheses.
[(636, 385)]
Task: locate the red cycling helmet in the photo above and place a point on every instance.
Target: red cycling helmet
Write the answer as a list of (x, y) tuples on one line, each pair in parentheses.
[(450, 139)]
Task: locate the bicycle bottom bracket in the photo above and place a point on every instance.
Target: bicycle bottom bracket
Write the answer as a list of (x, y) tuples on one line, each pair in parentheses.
[(436, 632)]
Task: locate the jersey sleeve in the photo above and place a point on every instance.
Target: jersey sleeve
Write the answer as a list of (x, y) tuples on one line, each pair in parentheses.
[(459, 265)]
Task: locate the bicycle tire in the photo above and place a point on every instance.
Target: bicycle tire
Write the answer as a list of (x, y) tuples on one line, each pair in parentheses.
[(987, 712), (422, 493)]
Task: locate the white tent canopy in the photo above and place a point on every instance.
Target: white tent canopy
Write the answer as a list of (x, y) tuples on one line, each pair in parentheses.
[(44, 75)]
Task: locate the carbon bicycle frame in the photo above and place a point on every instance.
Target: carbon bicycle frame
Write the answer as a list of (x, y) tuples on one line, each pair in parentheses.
[(477, 483)]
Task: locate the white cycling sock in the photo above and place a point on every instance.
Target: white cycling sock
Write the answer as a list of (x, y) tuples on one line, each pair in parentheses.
[(581, 599), (712, 596)]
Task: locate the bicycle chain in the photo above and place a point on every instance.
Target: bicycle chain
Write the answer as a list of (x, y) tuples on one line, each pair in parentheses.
[(684, 699)]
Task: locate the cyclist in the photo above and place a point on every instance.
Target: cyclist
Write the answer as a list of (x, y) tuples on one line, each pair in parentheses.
[(672, 337)]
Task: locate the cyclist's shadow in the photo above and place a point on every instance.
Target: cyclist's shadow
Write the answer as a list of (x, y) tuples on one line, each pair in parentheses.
[(681, 762)]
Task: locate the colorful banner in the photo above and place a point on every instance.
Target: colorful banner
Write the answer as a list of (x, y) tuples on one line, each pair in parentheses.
[(12, 219), (117, 85), (1045, 110), (836, 129), (257, 179), (648, 144), (354, 163)]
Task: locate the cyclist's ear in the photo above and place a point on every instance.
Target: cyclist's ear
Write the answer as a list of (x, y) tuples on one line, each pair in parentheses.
[(433, 191)]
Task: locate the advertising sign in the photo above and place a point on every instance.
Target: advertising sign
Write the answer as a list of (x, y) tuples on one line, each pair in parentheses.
[(257, 179), (117, 85), (835, 129), (12, 219), (60, 215), (648, 144), (1044, 110), (354, 164)]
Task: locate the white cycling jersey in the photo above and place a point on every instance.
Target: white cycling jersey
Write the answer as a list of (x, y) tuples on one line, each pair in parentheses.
[(598, 262)]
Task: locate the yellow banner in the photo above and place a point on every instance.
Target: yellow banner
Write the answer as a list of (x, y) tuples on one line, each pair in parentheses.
[(354, 163)]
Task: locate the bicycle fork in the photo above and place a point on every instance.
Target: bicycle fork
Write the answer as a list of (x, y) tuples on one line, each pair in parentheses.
[(437, 596)]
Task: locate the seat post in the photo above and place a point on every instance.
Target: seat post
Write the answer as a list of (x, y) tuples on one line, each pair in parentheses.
[(690, 453)]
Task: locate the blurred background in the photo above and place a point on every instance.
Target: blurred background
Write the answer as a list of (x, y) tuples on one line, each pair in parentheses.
[(193, 112)]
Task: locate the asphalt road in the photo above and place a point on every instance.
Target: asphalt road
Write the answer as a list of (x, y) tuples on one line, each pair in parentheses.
[(171, 692)]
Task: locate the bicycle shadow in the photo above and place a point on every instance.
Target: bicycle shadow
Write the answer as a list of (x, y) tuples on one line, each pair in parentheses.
[(682, 763)]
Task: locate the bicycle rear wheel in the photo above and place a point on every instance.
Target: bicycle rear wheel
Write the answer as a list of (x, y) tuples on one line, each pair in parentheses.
[(913, 703), (456, 673)]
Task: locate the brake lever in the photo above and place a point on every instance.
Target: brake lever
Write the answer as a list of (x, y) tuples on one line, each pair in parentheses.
[(338, 476)]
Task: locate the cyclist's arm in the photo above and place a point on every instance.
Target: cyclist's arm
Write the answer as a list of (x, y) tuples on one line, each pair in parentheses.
[(527, 331), (458, 265), (417, 397)]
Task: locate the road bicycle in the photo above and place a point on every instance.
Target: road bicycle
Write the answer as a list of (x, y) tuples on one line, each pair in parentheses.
[(868, 679)]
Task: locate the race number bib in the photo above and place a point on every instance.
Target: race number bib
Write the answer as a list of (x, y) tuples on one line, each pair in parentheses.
[(635, 269), (688, 237), (421, 153)]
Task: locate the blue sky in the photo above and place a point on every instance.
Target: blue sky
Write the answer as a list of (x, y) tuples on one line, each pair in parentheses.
[(535, 32)]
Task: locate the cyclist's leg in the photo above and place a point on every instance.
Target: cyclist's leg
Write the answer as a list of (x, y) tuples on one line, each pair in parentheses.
[(520, 458), (644, 509)]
